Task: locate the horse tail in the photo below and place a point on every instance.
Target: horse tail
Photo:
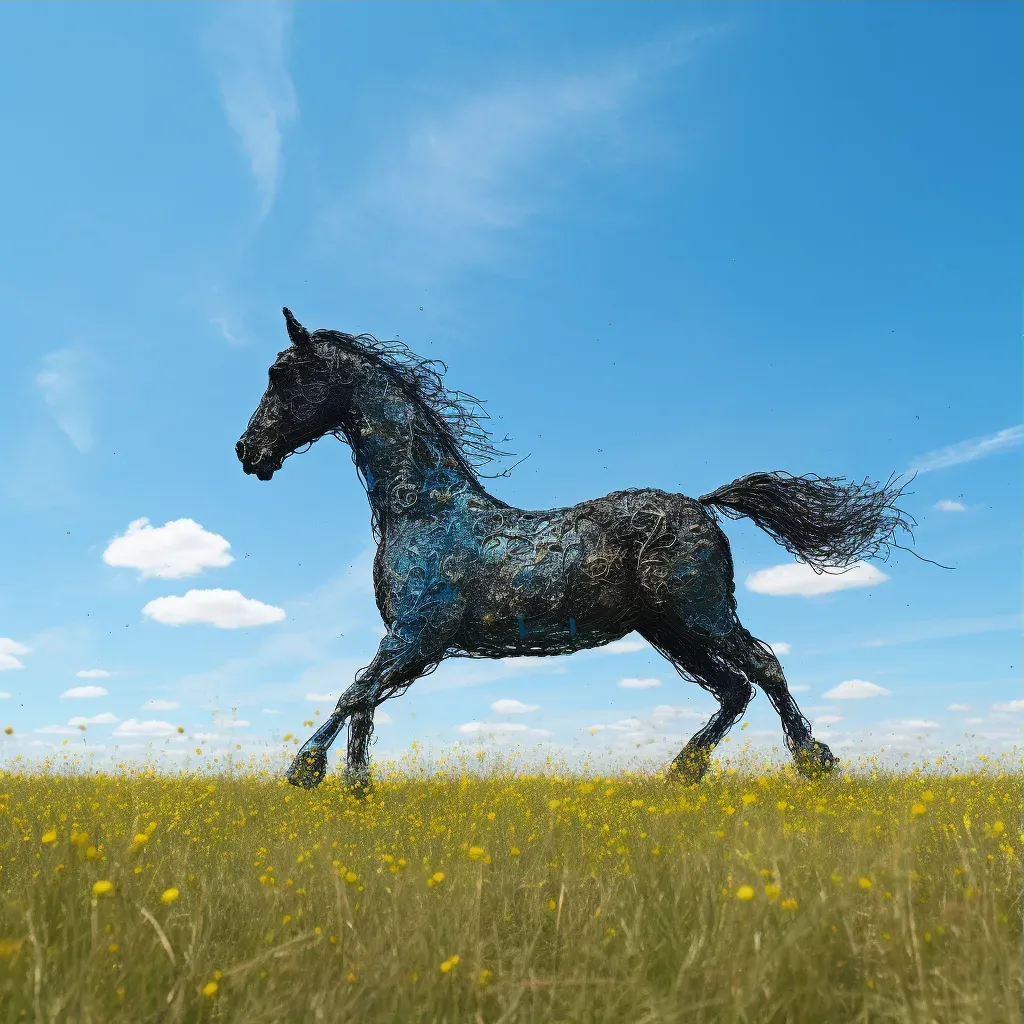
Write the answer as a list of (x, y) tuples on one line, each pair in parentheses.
[(821, 520)]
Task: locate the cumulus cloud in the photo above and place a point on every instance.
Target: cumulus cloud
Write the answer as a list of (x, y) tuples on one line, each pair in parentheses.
[(779, 649), (625, 646), (225, 609), (147, 728), (56, 730), (1013, 705), (508, 706), (161, 705), (798, 578), (92, 673), (917, 723), (104, 718), (958, 707), (5, 696), (84, 691), (855, 689), (9, 651), (632, 683), (499, 729), (179, 548), (948, 505), (827, 719), (969, 451)]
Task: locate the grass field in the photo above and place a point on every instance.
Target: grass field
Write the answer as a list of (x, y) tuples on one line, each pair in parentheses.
[(485, 895)]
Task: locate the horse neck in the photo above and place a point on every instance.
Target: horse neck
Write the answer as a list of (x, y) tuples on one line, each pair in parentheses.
[(404, 457)]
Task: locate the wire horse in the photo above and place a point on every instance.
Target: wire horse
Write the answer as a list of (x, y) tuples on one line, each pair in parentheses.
[(458, 573)]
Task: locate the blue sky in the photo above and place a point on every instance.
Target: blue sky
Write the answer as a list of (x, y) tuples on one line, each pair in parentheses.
[(668, 244)]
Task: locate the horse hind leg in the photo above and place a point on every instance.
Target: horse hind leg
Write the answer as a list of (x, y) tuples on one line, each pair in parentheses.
[(725, 682), (812, 757)]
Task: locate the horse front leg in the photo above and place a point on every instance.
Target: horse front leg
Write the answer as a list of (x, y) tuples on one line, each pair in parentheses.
[(402, 657)]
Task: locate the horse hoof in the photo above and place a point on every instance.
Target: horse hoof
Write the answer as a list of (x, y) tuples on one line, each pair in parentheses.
[(815, 761), (690, 767), (358, 782), (308, 769)]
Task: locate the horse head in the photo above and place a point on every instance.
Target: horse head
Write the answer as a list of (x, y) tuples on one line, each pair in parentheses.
[(301, 403)]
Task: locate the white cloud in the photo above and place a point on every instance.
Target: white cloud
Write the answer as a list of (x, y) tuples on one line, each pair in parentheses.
[(855, 689), (633, 683), (92, 673), (63, 390), (161, 705), (779, 649), (969, 451), (799, 578), (9, 650), (234, 723), (84, 691), (450, 188), (623, 724), (948, 505), (5, 696), (1013, 705), (382, 718), (179, 548), (248, 46), (507, 706), (147, 728), (827, 719), (625, 646), (331, 698), (917, 723), (669, 712), (104, 718), (973, 721), (225, 609), (57, 730), (958, 707), (499, 729)]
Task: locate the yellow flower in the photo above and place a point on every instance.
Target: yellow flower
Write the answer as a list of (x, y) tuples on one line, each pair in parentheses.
[(552, 904), (102, 888), (997, 828), (8, 730), (514, 852), (49, 837), (485, 977), (351, 977), (210, 988), (113, 947), (772, 891), (749, 798), (918, 809), (475, 852), (437, 877), (169, 896), (864, 883), (448, 964), (789, 904), (350, 876), (181, 728), (744, 892)]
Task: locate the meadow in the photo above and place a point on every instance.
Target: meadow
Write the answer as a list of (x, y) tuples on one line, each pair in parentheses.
[(466, 892)]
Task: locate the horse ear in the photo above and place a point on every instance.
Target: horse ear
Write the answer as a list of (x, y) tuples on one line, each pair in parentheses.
[(298, 334)]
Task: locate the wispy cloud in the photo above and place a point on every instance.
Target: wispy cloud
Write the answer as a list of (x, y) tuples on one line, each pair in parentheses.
[(457, 180), (248, 45), (62, 382), (969, 451)]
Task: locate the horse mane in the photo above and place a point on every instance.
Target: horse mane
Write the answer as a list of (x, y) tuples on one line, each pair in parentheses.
[(455, 414)]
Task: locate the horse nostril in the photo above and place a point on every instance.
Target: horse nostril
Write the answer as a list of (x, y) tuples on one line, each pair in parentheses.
[(240, 451)]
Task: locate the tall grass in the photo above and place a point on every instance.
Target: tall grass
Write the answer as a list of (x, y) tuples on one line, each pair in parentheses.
[(489, 896)]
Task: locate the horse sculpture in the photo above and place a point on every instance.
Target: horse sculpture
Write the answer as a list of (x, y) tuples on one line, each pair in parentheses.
[(459, 573)]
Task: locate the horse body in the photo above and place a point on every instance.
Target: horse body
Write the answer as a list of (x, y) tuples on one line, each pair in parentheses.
[(459, 573)]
